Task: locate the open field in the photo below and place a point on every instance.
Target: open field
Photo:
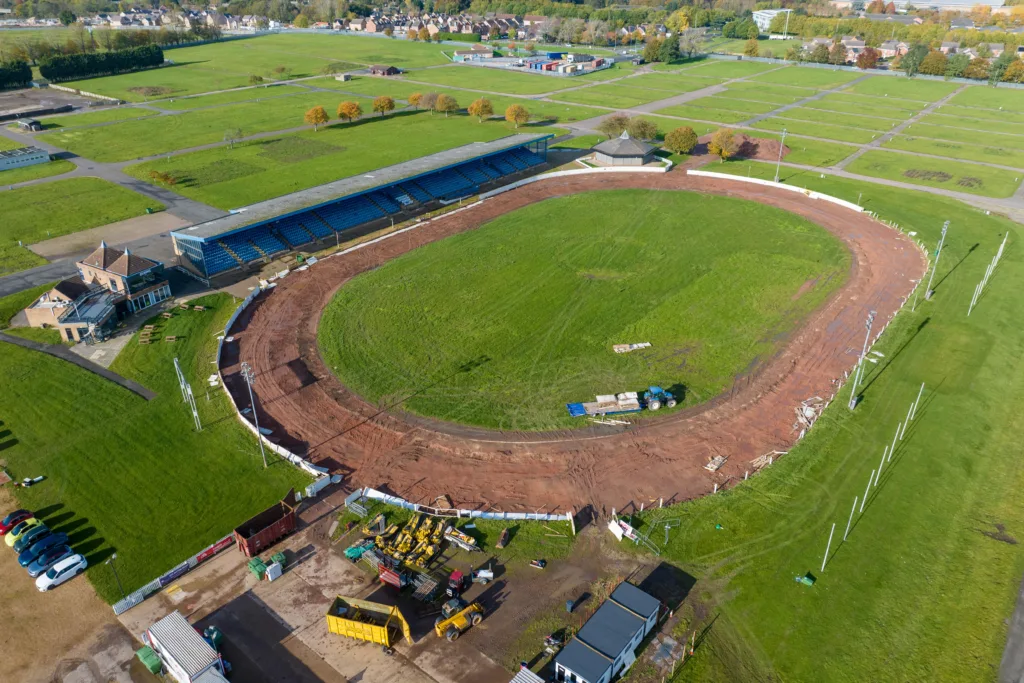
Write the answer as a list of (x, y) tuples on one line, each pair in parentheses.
[(557, 112), (972, 136), (989, 98), (817, 130), (928, 556), (230, 178), (495, 80), (11, 305), (705, 113), (811, 152), (93, 117), (130, 475), (263, 92), (778, 47), (743, 106), (772, 94), (942, 173), (1004, 156), (7, 143), (581, 142), (612, 95), (968, 122), (822, 79), (904, 88), (871, 123), (618, 70), (39, 212), (20, 175), (463, 345), (720, 68), (673, 84), (864, 104), (982, 113)]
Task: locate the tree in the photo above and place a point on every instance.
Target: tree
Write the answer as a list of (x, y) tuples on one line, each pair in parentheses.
[(412, 34), (1015, 72), (255, 79), (316, 117), (977, 69), (67, 17), (669, 50), (282, 72), (350, 111), (389, 32), (518, 115), (890, 8), (678, 21), (751, 48), (231, 136), (691, 41), (530, 46), (752, 31), (613, 125), (494, 33), (837, 54), (429, 102), (1000, 64), (446, 103), (792, 54), (424, 34), (414, 99), (956, 65), (868, 59), (383, 104), (301, 21), (934, 64), (652, 50), (481, 109), (911, 62), (681, 140), (819, 55), (876, 7), (642, 129), (723, 143)]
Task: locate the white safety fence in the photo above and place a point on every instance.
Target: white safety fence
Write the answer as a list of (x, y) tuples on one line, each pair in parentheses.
[(83, 92), (373, 494), (781, 186), (582, 171)]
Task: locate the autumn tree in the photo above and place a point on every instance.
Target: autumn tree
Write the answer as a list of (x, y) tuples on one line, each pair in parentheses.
[(613, 125), (837, 54), (652, 50), (446, 103), (414, 99), (681, 140), (868, 59), (517, 114), (890, 8), (819, 55), (389, 32), (429, 102), (977, 69), (254, 79), (383, 104), (530, 46), (481, 109), (723, 144), (494, 33), (301, 21), (412, 34), (1014, 73), (875, 7), (934, 64), (424, 34), (316, 117), (350, 111), (751, 48), (642, 129)]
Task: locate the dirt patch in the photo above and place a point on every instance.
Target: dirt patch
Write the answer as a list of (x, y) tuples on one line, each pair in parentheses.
[(933, 176), (999, 534), (151, 90), (747, 147), (602, 466), (804, 288), (970, 181)]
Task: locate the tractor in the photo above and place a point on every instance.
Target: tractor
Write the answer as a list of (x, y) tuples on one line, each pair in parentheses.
[(456, 618), (655, 397)]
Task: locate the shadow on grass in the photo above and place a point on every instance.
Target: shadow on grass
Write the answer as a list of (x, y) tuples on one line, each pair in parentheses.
[(956, 265), (889, 360)]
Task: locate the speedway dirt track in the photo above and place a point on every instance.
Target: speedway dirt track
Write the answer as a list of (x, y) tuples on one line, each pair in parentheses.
[(312, 413)]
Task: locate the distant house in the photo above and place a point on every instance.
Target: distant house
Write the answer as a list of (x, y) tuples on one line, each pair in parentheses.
[(384, 70), (996, 49), (606, 645), (949, 48), (961, 23), (854, 46), (472, 55), (893, 48)]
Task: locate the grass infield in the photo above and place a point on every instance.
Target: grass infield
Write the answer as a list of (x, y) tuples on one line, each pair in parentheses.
[(516, 332)]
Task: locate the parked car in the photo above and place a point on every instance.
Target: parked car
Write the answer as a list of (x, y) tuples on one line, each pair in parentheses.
[(68, 568), (12, 520), (19, 530), (34, 534), (29, 554), (48, 558)]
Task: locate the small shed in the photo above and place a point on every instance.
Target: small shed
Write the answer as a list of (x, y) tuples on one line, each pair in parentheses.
[(384, 70), (30, 124), (343, 77), (624, 151)]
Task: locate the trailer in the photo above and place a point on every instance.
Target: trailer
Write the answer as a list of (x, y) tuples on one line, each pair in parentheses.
[(187, 657), (265, 529), (607, 404), (369, 621)]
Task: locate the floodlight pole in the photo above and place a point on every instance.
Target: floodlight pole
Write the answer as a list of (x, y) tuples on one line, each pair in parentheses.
[(247, 373), (928, 292), (785, 31), (778, 163), (852, 510), (110, 561), (824, 560), (860, 363)]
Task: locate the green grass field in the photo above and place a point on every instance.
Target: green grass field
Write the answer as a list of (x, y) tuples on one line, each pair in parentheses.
[(612, 95), (903, 88), (772, 94), (986, 125), (978, 113), (721, 68), (807, 77), (99, 116), (581, 142), (971, 136), (494, 80), (736, 47), (686, 81), (863, 104), (261, 93), (705, 113), (811, 152), (989, 98), (7, 143), (466, 344), (132, 476), (926, 559), (231, 178), (817, 130), (1004, 156), (871, 123), (38, 212), (10, 305), (942, 173), (47, 170)]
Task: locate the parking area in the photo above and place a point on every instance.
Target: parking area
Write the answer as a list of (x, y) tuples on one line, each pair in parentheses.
[(28, 100)]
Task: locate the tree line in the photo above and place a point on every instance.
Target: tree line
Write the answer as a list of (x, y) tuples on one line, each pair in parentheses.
[(481, 108), (16, 74), (87, 65), (37, 45)]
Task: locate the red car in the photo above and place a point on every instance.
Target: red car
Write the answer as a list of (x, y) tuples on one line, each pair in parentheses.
[(12, 520)]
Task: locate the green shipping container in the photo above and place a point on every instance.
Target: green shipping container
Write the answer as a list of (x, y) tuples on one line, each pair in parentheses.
[(149, 659)]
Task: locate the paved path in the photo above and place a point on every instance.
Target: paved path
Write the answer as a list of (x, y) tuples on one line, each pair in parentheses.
[(1011, 669), (896, 130), (65, 353)]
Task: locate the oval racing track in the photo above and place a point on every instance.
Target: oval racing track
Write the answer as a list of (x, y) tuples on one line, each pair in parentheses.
[(311, 412)]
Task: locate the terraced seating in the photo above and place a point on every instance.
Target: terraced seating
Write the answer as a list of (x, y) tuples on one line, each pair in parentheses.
[(475, 174), (415, 191), (292, 230), (399, 196), (351, 213), (444, 184), (241, 247), (385, 202), (314, 222), (217, 259), (266, 242)]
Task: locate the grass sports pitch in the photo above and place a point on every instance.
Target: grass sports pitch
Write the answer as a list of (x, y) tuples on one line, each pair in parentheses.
[(527, 320)]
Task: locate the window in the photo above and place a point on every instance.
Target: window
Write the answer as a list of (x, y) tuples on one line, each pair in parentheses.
[(71, 336), (113, 285)]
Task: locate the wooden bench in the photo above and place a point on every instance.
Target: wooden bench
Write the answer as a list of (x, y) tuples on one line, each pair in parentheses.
[(170, 339), (168, 315), (199, 308)]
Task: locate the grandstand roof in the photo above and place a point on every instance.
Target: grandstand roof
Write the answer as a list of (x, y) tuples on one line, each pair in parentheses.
[(303, 200)]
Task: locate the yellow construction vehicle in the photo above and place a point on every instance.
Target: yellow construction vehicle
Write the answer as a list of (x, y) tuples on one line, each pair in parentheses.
[(456, 618)]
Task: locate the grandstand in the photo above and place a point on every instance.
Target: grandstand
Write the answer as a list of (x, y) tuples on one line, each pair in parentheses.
[(254, 235)]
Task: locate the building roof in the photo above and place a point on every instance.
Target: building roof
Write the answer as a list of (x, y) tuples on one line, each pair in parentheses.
[(280, 207), (21, 152), (180, 641), (526, 676), (116, 261), (624, 146), (608, 632), (72, 288)]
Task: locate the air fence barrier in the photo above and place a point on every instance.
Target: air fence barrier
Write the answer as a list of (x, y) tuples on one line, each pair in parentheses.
[(136, 597)]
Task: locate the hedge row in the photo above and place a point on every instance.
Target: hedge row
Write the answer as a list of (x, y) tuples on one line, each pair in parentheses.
[(15, 74), (71, 67), (458, 37)]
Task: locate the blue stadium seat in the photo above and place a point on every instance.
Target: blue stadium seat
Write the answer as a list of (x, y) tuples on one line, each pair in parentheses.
[(314, 222), (264, 241), (474, 173), (398, 195), (217, 260), (240, 245), (349, 213), (445, 184), (491, 173), (527, 157), (385, 202), (503, 166), (415, 191), (292, 230), (510, 158)]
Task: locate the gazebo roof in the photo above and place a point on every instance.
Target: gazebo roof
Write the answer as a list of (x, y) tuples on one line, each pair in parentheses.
[(624, 146)]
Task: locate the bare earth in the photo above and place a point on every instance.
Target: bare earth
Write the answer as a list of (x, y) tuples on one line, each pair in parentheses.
[(311, 412)]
